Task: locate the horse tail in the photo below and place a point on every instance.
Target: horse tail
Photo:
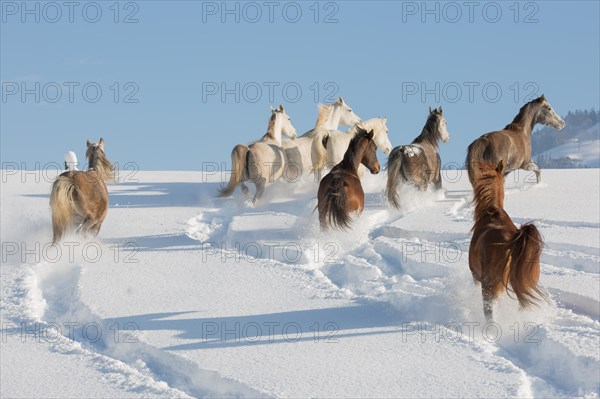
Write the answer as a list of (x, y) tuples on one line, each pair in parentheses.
[(238, 164), (394, 168), (332, 211), (62, 206), (525, 251), (319, 148), (476, 154)]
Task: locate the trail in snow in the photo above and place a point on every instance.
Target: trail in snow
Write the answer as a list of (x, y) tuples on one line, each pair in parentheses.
[(417, 260), (407, 268)]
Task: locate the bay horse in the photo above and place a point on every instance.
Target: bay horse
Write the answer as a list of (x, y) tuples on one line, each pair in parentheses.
[(81, 197), (419, 162), (338, 142), (500, 253), (513, 143), (340, 192), (302, 154), (262, 162)]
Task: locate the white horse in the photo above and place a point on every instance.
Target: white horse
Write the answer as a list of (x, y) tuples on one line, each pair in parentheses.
[(337, 142), (262, 162), (300, 153)]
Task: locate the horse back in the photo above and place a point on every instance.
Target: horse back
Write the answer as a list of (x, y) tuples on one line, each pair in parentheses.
[(506, 145), (91, 194), (419, 163)]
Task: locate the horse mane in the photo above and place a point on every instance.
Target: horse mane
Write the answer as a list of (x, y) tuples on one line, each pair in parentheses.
[(324, 113), (98, 162), (429, 133), (524, 111), (271, 128), (484, 189), (352, 150)]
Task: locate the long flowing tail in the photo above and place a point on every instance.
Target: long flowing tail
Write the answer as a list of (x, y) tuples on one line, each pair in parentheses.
[(394, 168), (476, 154), (525, 251), (62, 206), (238, 163), (332, 209), (319, 149)]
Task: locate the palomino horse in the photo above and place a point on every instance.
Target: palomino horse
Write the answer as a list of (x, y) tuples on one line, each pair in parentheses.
[(500, 253), (418, 163), (340, 192), (513, 144), (82, 195), (337, 142), (263, 161), (302, 155)]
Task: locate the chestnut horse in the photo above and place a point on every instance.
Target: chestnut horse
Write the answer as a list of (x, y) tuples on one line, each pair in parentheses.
[(513, 143), (500, 253), (340, 192), (81, 196)]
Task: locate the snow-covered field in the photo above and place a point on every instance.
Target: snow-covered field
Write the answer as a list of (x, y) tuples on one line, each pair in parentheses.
[(586, 151), (183, 294)]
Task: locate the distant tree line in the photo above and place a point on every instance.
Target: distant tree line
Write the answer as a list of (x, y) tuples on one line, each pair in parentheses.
[(577, 129)]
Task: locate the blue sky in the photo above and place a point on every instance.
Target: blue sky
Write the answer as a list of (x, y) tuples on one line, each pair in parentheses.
[(155, 111)]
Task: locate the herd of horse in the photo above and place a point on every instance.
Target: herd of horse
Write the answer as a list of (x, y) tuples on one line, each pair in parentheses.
[(500, 254)]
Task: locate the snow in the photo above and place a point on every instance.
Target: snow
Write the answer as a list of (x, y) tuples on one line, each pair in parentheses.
[(198, 296), (584, 149)]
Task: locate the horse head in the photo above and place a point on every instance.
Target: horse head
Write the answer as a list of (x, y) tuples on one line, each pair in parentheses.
[(369, 147), (546, 114), (346, 116), (441, 126), (282, 121)]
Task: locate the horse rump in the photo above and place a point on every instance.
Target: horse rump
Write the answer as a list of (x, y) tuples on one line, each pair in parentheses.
[(332, 202), (476, 153)]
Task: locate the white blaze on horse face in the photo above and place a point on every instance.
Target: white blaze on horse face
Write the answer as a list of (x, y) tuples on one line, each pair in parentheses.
[(443, 129)]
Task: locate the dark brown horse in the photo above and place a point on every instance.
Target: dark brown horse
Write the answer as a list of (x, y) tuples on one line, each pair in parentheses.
[(500, 253), (81, 197), (513, 143), (340, 191), (418, 163)]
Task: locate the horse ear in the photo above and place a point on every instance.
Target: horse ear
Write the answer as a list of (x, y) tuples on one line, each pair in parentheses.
[(87, 143), (280, 107), (371, 134), (272, 109), (430, 109), (500, 167), (542, 98), (441, 112), (101, 143), (340, 100)]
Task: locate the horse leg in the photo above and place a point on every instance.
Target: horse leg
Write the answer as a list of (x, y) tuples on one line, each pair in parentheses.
[(437, 182), (488, 300), (87, 225), (245, 189), (532, 167), (438, 176), (260, 189)]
